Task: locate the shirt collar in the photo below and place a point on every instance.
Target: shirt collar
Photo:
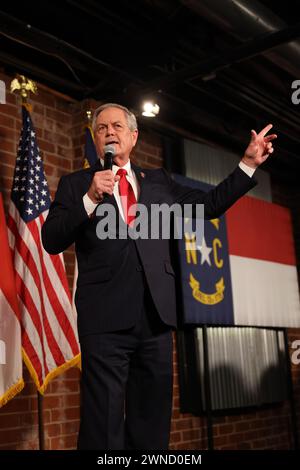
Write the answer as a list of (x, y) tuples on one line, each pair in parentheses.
[(115, 168), (126, 167)]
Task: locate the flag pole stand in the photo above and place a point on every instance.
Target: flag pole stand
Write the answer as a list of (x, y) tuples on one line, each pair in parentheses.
[(41, 421)]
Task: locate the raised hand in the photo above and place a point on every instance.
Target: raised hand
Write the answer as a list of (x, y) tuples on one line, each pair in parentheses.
[(260, 147)]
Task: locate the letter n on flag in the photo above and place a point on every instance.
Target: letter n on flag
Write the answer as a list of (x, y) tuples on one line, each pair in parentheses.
[(49, 333), (11, 381)]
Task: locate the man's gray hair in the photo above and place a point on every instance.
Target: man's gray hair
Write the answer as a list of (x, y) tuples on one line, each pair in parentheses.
[(130, 117)]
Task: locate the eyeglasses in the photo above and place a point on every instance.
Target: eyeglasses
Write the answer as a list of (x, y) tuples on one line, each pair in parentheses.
[(103, 128)]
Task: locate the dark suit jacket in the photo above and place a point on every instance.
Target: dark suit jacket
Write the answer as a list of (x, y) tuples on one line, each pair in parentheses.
[(108, 296)]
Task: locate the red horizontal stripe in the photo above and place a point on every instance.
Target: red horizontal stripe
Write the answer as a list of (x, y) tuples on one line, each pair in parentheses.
[(261, 230)]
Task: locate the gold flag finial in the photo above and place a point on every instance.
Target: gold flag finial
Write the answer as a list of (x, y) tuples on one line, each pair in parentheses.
[(23, 86)]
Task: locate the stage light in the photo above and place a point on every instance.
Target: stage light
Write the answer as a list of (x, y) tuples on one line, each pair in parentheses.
[(150, 109)]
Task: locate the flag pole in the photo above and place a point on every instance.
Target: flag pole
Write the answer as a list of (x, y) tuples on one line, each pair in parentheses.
[(41, 421)]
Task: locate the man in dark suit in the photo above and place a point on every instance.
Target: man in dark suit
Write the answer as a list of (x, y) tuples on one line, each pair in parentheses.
[(125, 294)]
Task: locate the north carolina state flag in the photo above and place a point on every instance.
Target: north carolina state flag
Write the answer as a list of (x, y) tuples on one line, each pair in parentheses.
[(11, 381), (243, 270)]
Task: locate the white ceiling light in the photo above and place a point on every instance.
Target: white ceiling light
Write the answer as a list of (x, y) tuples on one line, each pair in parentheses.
[(150, 109)]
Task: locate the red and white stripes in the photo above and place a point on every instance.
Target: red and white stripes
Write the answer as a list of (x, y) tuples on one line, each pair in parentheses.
[(49, 332)]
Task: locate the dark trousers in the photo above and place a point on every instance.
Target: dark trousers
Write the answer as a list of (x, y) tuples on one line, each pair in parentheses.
[(126, 386)]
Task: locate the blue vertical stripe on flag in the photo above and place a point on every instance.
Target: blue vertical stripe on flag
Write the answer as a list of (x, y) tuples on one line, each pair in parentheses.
[(205, 271)]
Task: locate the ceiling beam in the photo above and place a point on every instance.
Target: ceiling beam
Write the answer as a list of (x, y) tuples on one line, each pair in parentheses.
[(208, 67), (23, 66)]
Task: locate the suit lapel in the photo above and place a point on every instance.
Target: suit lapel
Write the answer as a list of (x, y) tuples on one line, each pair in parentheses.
[(144, 183)]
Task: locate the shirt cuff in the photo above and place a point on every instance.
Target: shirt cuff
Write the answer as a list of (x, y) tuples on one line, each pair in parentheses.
[(247, 169), (89, 205)]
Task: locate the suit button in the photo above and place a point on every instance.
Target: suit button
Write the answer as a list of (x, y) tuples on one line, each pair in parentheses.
[(139, 268)]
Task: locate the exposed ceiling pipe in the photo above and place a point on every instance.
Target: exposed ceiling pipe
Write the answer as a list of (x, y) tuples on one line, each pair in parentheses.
[(248, 19)]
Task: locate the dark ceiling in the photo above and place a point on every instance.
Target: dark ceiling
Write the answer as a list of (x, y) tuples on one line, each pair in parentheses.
[(217, 68)]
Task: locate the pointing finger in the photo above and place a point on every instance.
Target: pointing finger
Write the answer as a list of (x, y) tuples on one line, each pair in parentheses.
[(265, 130)]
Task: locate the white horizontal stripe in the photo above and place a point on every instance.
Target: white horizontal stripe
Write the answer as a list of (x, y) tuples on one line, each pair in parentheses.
[(264, 293)]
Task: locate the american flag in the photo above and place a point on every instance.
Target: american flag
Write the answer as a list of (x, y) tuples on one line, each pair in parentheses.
[(49, 334)]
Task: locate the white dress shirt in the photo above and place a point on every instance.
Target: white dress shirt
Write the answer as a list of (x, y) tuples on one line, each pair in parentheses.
[(90, 206), (247, 169)]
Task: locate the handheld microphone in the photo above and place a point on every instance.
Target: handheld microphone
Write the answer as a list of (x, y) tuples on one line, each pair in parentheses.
[(109, 153)]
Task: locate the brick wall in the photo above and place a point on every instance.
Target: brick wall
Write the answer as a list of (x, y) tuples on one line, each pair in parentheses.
[(59, 123)]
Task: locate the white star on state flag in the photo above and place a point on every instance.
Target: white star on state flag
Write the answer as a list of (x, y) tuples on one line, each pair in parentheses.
[(205, 251)]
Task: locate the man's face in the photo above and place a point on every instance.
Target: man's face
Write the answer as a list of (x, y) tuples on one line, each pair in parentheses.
[(112, 128)]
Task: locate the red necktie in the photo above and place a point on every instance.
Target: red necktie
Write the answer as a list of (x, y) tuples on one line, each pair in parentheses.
[(127, 196)]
